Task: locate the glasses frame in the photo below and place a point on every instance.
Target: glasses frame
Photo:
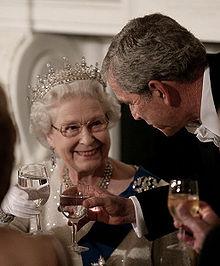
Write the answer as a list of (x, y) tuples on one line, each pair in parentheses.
[(62, 131)]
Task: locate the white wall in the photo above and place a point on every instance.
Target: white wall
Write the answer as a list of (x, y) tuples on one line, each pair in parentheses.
[(106, 17)]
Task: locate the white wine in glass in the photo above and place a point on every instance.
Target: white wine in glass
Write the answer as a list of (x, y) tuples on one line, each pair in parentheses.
[(71, 200), (34, 180), (182, 191)]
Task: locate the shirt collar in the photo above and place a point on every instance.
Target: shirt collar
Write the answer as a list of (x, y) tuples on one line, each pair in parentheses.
[(208, 114)]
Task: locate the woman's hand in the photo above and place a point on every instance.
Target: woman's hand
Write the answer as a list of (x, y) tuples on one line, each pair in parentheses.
[(16, 202)]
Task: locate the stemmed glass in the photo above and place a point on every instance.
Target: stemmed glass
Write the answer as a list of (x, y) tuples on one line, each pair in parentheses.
[(182, 191), (34, 180), (71, 199)]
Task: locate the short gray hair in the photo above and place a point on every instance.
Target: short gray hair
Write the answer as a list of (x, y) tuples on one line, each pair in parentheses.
[(43, 111), (153, 47)]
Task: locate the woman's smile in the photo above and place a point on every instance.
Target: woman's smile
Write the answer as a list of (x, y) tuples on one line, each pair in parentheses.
[(88, 153)]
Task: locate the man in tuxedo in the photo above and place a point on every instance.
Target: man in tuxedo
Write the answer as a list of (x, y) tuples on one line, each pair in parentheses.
[(163, 73)]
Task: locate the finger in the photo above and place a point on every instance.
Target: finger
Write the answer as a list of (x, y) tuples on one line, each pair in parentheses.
[(93, 191), (185, 235), (87, 189), (70, 191), (177, 224), (203, 204), (183, 210), (24, 215), (70, 223), (208, 214), (17, 193), (25, 207), (94, 202), (183, 213)]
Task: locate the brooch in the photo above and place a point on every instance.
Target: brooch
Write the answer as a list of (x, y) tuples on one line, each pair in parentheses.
[(145, 183), (101, 262)]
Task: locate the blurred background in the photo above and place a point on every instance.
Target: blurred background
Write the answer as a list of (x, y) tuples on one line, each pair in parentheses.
[(34, 32)]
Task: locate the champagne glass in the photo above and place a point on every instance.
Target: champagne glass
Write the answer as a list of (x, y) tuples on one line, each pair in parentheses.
[(34, 180), (182, 191), (71, 199)]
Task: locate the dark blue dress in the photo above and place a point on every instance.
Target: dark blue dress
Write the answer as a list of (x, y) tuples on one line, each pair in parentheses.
[(103, 239)]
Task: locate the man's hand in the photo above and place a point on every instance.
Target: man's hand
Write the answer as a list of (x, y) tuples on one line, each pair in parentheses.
[(198, 226), (106, 207)]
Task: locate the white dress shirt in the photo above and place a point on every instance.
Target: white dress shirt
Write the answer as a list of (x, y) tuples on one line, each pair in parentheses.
[(210, 119)]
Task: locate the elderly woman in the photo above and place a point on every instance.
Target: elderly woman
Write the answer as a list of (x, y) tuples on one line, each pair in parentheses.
[(71, 114)]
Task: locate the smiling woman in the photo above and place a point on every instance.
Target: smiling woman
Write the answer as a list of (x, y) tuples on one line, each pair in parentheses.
[(71, 114)]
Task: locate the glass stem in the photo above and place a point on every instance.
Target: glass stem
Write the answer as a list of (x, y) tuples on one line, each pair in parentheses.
[(74, 234), (38, 222), (182, 231)]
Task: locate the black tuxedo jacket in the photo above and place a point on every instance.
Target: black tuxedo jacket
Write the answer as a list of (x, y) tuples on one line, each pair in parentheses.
[(209, 255), (205, 166)]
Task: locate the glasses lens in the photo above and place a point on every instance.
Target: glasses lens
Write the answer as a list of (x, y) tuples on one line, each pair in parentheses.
[(98, 124), (70, 130), (74, 129)]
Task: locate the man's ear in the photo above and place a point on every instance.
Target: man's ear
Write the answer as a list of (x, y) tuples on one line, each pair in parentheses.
[(167, 91), (160, 90)]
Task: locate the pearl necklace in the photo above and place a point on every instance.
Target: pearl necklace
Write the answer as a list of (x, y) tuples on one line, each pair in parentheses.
[(103, 182)]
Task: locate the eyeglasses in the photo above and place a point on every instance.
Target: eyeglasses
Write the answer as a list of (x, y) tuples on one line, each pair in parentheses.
[(73, 129)]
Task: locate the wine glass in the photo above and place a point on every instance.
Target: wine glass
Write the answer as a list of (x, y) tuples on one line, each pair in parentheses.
[(34, 180), (182, 191), (71, 199)]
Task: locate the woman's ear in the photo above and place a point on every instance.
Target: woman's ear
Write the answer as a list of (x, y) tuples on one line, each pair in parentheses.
[(165, 91), (50, 140)]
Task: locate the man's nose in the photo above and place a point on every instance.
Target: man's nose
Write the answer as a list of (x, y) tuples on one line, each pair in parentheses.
[(134, 113)]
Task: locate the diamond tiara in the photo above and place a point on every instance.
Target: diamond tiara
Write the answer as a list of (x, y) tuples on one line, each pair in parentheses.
[(66, 74)]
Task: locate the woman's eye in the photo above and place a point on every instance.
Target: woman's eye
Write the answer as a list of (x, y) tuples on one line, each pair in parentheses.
[(96, 123), (72, 128)]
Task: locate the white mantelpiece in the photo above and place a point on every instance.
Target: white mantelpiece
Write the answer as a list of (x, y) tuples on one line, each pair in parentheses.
[(88, 17)]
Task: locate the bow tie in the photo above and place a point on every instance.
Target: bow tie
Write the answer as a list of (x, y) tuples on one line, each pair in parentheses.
[(205, 135)]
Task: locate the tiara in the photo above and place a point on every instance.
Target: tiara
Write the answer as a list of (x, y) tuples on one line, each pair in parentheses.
[(64, 75)]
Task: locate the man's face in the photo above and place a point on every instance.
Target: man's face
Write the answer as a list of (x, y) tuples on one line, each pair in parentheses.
[(152, 109)]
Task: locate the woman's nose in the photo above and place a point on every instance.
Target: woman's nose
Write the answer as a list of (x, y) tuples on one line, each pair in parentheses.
[(86, 137)]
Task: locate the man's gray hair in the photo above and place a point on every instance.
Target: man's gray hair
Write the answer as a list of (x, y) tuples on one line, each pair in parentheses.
[(153, 47)]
